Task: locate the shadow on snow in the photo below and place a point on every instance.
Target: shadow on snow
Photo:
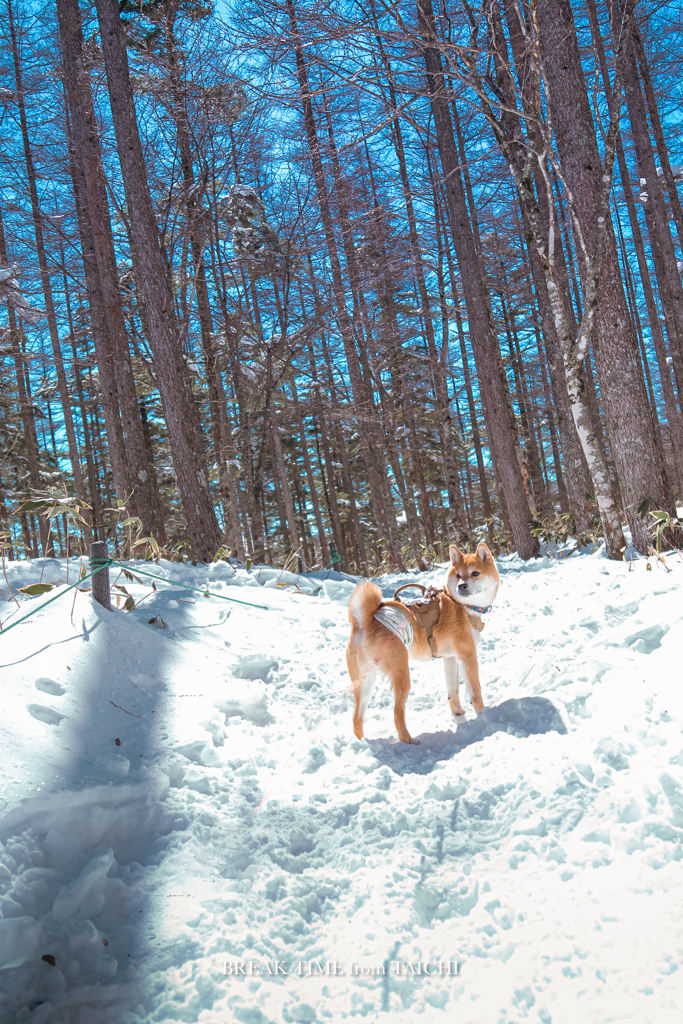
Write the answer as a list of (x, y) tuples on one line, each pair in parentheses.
[(521, 717)]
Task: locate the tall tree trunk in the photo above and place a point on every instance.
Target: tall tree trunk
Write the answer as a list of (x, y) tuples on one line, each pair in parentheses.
[(216, 393), (657, 131), (579, 482), (482, 331), (631, 429), (45, 273), (438, 376), (322, 540), (91, 185), (25, 407), (519, 153), (387, 516), (579, 485), (337, 531), (364, 405), (92, 483), (657, 218), (100, 333), (675, 419), (180, 411), (281, 480)]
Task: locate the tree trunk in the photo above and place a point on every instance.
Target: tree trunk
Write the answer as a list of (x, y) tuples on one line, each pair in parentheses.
[(90, 175), (579, 485), (100, 334), (322, 540), (364, 406), (337, 531), (45, 276), (25, 408), (384, 498), (438, 376), (631, 430), (519, 152), (482, 332), (658, 133), (280, 474), (180, 410), (92, 482)]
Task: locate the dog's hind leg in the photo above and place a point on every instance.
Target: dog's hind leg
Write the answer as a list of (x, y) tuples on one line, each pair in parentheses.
[(400, 680), (362, 691), (451, 671)]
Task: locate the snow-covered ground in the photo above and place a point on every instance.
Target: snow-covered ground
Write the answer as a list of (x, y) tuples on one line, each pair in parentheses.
[(171, 799)]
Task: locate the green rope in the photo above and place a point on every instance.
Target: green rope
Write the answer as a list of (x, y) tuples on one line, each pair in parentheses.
[(60, 594), (103, 563), (206, 593)]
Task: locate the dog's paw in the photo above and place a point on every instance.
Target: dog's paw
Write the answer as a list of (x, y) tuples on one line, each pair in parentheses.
[(457, 710)]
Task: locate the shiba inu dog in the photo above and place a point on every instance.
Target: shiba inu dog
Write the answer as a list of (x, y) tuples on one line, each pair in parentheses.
[(385, 634)]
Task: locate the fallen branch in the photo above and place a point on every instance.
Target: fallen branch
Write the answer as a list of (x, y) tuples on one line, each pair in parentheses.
[(123, 709)]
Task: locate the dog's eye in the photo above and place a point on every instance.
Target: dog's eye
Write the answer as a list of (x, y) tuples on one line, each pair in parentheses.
[(475, 574), (458, 575)]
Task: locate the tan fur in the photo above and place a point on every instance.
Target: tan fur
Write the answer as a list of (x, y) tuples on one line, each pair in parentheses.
[(374, 650)]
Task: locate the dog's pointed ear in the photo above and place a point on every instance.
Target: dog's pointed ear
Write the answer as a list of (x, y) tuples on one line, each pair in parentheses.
[(455, 553), (483, 553)]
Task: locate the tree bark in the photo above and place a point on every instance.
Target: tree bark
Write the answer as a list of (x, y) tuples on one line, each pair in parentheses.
[(322, 540), (364, 405), (579, 485), (92, 481), (89, 172), (657, 219), (518, 153), (45, 275), (25, 407), (439, 382), (180, 412), (631, 429), (481, 328)]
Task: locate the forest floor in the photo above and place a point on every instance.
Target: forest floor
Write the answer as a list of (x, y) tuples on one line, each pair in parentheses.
[(174, 798)]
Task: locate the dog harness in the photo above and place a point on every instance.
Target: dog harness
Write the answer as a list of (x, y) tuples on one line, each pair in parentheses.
[(427, 611), (397, 621)]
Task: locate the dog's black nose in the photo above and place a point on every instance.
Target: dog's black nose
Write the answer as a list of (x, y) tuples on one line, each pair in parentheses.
[(462, 586)]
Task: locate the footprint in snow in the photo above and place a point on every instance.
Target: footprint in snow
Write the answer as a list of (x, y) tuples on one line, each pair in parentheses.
[(51, 687), (256, 666), (44, 714)]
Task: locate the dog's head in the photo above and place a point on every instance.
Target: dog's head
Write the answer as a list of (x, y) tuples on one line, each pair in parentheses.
[(473, 579)]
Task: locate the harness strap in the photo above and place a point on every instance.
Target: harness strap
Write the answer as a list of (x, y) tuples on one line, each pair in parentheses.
[(426, 610), (428, 616)]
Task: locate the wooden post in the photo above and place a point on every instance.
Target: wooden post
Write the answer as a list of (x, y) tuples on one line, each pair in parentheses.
[(100, 581)]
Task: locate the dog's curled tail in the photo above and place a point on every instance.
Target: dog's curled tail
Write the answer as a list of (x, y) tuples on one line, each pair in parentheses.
[(365, 600)]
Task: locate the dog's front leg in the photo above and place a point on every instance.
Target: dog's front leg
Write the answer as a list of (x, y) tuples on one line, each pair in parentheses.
[(450, 668), (470, 672)]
